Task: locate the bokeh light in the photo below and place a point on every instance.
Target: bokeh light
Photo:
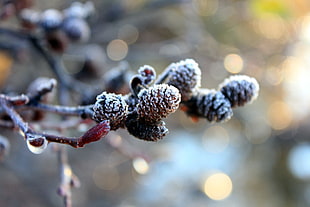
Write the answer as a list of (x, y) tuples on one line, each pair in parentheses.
[(5, 66), (272, 27), (279, 115), (233, 63), (128, 33), (298, 161), (218, 186), (117, 49), (305, 28), (140, 165)]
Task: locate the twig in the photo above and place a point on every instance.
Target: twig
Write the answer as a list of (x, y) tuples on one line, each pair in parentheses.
[(83, 111), (16, 118), (93, 134), (67, 178)]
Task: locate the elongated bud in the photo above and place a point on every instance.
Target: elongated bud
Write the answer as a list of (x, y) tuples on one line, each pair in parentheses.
[(95, 133)]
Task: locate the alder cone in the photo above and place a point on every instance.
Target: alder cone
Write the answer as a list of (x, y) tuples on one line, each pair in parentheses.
[(186, 76), (157, 102), (145, 131), (239, 90), (213, 106), (112, 107)]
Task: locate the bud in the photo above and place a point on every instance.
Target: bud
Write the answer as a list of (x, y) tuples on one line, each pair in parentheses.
[(112, 107), (147, 74), (158, 102), (239, 90), (186, 76), (36, 143)]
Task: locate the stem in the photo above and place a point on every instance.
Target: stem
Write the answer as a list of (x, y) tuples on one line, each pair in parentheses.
[(16, 118), (163, 76), (66, 177), (83, 111)]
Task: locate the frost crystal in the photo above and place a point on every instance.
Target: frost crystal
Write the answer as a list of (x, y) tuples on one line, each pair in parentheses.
[(239, 90), (186, 76), (112, 107), (213, 106), (158, 102)]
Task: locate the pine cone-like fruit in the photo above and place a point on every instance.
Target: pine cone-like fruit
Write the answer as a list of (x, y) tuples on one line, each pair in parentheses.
[(51, 19), (186, 76), (76, 29), (213, 106), (239, 90), (112, 107), (145, 131), (157, 102)]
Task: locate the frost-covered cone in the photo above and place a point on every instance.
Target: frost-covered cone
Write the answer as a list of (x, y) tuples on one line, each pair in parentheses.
[(76, 29), (112, 107), (158, 102), (239, 89), (186, 76), (145, 131), (51, 19), (213, 106)]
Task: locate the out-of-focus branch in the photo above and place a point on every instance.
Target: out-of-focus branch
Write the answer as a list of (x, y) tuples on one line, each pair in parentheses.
[(67, 178)]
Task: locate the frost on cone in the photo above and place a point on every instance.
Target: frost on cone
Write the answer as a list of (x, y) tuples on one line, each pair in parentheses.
[(186, 76), (157, 102), (145, 131), (213, 106), (239, 90), (112, 107)]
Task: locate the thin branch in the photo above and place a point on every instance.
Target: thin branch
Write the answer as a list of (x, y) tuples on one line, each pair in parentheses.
[(83, 111), (93, 134), (67, 178), (16, 118)]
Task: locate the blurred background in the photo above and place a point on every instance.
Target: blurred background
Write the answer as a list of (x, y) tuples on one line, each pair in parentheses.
[(261, 157)]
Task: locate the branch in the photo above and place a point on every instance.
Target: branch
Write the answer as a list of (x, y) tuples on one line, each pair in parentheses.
[(83, 111), (67, 178), (38, 139)]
